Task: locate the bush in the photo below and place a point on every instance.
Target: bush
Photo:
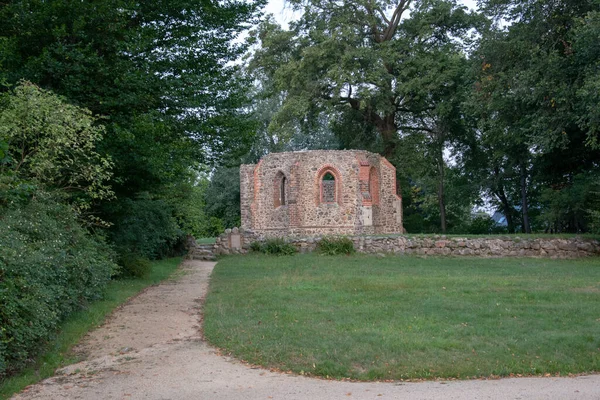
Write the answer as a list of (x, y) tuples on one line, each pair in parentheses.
[(481, 225), (49, 267), (134, 266), (145, 227), (333, 246), (256, 246), (277, 247)]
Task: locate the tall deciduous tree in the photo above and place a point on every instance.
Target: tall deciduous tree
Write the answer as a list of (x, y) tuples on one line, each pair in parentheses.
[(362, 59), (161, 73), (533, 98)]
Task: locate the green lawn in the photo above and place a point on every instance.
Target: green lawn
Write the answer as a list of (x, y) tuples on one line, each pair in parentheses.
[(370, 318), (58, 353)]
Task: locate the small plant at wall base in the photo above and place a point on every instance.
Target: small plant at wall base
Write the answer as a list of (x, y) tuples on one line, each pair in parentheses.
[(278, 247), (256, 247), (333, 246)]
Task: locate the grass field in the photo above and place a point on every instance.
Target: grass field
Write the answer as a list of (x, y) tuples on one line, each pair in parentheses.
[(370, 318), (72, 330)]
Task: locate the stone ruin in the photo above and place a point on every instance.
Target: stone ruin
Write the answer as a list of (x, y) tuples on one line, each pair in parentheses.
[(320, 192)]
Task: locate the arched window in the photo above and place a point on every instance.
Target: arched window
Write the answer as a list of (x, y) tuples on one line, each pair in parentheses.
[(328, 186), (328, 192), (282, 191), (279, 189)]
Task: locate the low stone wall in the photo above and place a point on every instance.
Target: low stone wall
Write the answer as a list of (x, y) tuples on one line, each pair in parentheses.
[(238, 241)]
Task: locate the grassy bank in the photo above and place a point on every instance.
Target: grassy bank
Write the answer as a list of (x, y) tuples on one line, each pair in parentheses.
[(58, 353), (372, 318)]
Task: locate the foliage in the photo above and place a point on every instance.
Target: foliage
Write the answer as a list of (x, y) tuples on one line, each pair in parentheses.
[(162, 76), (333, 246), (222, 199), (481, 225), (133, 266), (59, 352), (256, 246), (532, 102), (49, 267), (358, 60), (566, 208), (276, 247), (147, 228), (130, 60), (50, 142), (369, 318)]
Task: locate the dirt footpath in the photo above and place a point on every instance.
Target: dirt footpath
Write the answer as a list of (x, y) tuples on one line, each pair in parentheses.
[(151, 349)]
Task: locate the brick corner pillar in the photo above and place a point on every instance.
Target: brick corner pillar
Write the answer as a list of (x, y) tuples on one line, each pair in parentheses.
[(247, 194)]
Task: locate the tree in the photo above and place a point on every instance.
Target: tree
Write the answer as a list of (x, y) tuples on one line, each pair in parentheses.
[(376, 76), (52, 143), (531, 97), (349, 58), (161, 74)]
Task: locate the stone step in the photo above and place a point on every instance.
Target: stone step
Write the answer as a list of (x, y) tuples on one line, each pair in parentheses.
[(204, 257), (204, 246), (202, 251)]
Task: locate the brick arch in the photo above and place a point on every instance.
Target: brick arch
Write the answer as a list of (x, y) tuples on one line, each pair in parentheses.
[(280, 189), (374, 185), (324, 170)]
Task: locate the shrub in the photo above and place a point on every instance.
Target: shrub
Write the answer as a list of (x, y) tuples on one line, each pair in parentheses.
[(146, 227), (49, 267), (256, 246), (481, 225), (333, 246), (134, 266), (277, 247)]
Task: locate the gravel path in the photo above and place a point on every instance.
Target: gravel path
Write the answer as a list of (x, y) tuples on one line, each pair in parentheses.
[(151, 349)]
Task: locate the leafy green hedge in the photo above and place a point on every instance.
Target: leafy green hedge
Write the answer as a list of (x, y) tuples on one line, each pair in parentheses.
[(49, 267)]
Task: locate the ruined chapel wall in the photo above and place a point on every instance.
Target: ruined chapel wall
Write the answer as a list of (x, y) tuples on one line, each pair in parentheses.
[(303, 212), (268, 216), (319, 217), (390, 210)]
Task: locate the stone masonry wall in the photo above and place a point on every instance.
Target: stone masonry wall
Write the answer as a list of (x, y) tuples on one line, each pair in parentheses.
[(433, 246), (361, 200)]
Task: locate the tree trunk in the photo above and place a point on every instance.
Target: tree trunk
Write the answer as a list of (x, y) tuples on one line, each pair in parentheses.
[(501, 195), (441, 202), (524, 207), (388, 130)]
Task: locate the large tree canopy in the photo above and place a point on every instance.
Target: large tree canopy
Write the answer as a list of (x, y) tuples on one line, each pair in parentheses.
[(160, 76), (161, 72), (535, 107), (365, 60)]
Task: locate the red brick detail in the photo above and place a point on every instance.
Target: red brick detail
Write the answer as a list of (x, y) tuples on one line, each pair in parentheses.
[(328, 168), (374, 185), (363, 180)]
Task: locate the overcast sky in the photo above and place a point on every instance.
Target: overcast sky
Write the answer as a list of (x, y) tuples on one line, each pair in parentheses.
[(284, 14)]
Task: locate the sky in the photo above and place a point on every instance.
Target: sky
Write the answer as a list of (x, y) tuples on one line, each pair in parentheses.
[(283, 14)]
